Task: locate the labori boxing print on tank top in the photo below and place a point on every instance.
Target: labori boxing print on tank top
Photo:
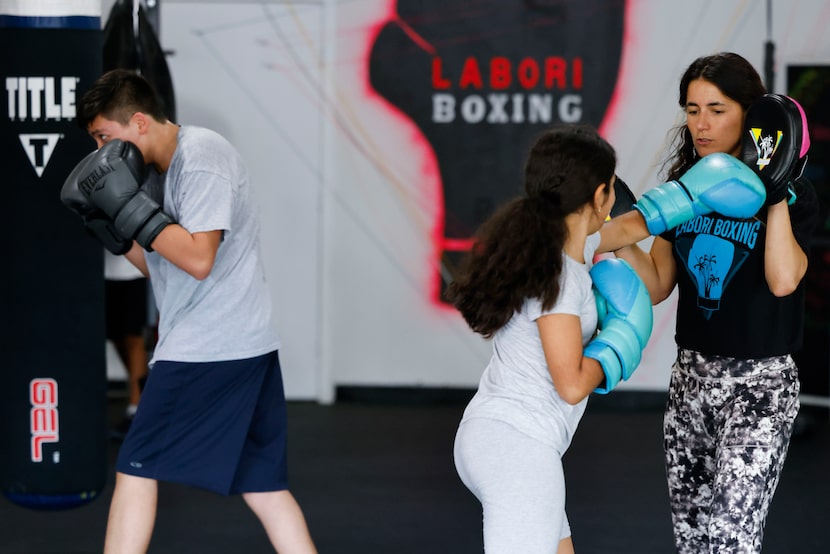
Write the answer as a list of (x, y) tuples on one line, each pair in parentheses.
[(712, 250)]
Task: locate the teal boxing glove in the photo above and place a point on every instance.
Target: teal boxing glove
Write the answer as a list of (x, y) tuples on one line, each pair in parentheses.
[(625, 321), (716, 183)]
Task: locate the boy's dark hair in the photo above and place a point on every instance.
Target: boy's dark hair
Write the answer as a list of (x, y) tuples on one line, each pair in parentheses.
[(117, 95)]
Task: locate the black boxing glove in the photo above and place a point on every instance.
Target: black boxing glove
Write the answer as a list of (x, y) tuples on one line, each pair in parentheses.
[(103, 229), (625, 199), (111, 180), (95, 221)]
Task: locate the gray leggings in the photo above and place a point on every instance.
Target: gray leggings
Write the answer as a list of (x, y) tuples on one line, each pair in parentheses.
[(726, 431), (520, 484)]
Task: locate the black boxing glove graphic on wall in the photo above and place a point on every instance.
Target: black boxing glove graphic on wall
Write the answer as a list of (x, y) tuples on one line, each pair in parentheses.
[(482, 80)]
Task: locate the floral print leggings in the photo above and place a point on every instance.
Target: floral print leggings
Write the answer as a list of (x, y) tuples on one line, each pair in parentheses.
[(726, 431)]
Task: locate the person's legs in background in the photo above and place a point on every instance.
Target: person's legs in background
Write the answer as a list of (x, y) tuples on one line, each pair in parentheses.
[(126, 315)]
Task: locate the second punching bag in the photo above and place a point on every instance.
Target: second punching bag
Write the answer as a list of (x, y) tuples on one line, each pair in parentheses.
[(53, 440)]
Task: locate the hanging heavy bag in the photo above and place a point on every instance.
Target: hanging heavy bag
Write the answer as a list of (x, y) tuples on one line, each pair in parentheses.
[(53, 440)]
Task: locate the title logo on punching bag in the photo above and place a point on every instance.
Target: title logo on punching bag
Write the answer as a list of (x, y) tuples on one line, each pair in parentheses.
[(40, 99), (43, 417)]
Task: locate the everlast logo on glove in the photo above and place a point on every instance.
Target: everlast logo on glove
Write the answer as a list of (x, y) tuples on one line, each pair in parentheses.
[(480, 84), (92, 182)]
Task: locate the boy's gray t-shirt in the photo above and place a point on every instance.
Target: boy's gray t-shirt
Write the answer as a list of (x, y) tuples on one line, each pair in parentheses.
[(516, 387), (226, 316)]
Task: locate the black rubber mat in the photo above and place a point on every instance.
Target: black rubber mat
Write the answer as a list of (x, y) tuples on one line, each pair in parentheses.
[(378, 478)]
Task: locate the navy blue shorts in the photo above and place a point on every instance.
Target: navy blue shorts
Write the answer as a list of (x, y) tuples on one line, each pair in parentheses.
[(219, 426)]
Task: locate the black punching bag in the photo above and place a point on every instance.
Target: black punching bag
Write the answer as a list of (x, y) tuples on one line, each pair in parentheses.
[(53, 383), (129, 42)]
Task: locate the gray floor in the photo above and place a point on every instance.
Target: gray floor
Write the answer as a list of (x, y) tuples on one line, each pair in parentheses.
[(378, 478)]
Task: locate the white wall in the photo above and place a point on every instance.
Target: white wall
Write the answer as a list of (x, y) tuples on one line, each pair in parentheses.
[(340, 182)]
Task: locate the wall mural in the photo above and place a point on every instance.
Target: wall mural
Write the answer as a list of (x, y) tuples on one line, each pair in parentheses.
[(480, 80)]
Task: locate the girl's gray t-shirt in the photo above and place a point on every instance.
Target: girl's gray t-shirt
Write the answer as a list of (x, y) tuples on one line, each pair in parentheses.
[(516, 386)]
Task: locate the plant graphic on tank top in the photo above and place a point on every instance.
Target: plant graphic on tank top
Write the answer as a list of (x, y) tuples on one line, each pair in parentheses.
[(705, 265)]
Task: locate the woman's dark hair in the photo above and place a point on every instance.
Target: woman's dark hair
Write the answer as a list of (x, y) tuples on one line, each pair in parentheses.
[(734, 76), (518, 251), (117, 95)]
